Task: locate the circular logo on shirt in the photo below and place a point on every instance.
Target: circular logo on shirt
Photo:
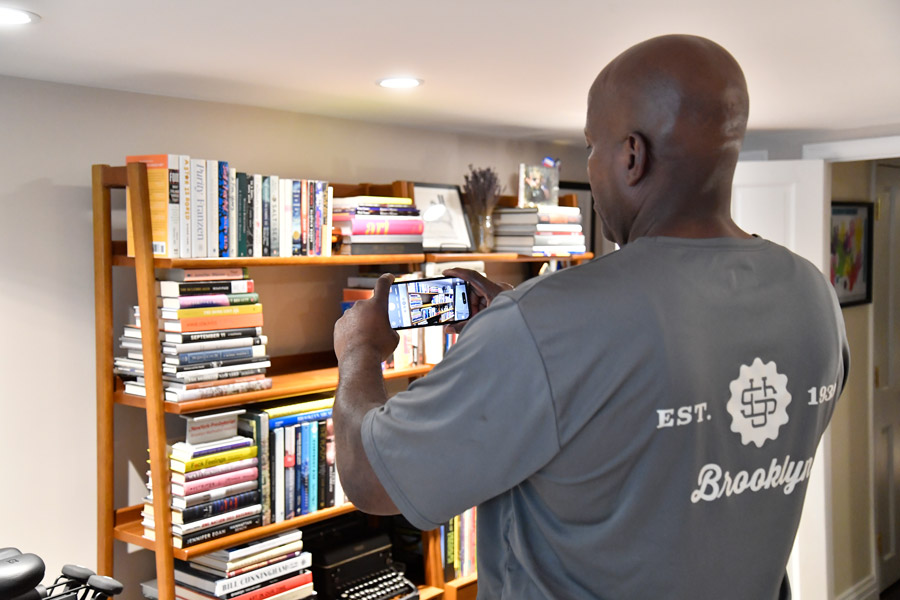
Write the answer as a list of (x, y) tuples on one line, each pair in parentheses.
[(758, 403)]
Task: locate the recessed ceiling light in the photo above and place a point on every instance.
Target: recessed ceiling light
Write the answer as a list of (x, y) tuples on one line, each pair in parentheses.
[(400, 82), (14, 16)]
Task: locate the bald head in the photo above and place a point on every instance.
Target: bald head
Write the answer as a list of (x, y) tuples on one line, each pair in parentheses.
[(673, 110)]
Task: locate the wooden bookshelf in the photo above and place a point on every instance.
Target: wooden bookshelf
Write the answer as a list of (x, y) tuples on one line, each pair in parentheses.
[(292, 376)]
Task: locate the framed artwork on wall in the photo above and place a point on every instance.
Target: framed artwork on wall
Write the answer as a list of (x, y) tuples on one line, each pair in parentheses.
[(446, 225), (851, 252)]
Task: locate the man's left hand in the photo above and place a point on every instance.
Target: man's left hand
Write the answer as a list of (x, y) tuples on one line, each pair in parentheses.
[(365, 327)]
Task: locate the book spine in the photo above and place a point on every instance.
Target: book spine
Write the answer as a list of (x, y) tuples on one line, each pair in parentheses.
[(184, 192), (209, 323), (243, 208), (220, 469), (202, 485), (296, 218), (305, 214), (174, 216), (257, 215), (274, 214), (214, 374), (255, 424), (266, 215), (313, 466), (265, 562), (216, 459), (223, 505), (212, 208), (232, 212), (203, 300), (290, 462), (370, 225), (287, 217), (223, 206), (158, 191), (296, 419), (212, 311), (276, 588), (217, 355), (216, 520), (383, 248), (224, 334), (215, 391), (198, 208), (330, 473), (321, 470), (321, 188), (175, 289), (221, 365), (205, 535), (277, 439), (304, 468)]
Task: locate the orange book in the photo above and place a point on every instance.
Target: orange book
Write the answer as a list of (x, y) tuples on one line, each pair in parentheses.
[(164, 204), (354, 294), (212, 323)]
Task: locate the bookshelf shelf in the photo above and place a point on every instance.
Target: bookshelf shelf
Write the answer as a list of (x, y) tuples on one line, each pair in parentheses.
[(128, 529), (445, 257), (283, 386)]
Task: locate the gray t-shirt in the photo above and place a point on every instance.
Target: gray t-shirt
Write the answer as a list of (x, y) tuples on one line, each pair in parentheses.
[(640, 426)]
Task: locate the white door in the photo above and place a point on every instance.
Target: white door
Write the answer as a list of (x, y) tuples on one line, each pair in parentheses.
[(886, 359), (787, 202)]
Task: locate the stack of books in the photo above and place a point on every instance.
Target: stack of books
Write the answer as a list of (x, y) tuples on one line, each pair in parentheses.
[(215, 482), (545, 230), (378, 225), (298, 471), (207, 209), (275, 567), (211, 336)]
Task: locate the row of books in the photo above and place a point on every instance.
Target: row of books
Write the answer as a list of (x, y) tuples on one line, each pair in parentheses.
[(211, 339), (298, 474), (458, 547), (275, 567), (542, 230), (378, 225), (208, 209)]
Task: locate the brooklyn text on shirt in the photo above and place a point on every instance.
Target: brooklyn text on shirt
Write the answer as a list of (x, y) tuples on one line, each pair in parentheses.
[(758, 399)]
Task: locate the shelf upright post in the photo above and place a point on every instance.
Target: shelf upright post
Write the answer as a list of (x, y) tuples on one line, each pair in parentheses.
[(103, 179), (156, 426)]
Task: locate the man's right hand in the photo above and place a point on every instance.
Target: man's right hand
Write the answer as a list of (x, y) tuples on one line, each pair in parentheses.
[(484, 291)]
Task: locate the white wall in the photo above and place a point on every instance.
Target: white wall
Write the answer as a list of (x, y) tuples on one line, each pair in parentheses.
[(51, 134)]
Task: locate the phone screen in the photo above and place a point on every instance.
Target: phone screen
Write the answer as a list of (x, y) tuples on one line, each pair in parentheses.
[(425, 302)]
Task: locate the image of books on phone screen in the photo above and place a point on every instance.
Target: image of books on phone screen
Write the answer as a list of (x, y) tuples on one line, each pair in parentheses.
[(425, 302)]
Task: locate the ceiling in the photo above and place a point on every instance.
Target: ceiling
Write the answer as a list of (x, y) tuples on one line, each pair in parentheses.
[(519, 69)]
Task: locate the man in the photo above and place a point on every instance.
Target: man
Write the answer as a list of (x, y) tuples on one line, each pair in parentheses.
[(640, 426)]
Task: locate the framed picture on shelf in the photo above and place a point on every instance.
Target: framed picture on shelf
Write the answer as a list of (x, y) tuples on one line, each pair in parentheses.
[(446, 225), (538, 185), (851, 252)]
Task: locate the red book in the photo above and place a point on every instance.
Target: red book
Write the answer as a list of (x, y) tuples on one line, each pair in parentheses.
[(207, 483)]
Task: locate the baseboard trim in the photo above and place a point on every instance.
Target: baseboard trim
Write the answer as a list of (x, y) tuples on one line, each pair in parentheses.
[(867, 589)]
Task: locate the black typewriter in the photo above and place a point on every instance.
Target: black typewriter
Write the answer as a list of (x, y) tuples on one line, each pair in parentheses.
[(349, 564)]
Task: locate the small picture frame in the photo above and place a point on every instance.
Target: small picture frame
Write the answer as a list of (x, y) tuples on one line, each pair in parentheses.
[(851, 252), (538, 184), (446, 225)]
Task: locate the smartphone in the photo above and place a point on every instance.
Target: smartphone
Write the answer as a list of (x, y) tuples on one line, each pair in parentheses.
[(424, 302)]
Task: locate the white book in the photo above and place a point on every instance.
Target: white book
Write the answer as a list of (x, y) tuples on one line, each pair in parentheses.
[(184, 191), (198, 208), (278, 468), (212, 208), (174, 220), (328, 225), (274, 216), (257, 215), (230, 554), (286, 224), (232, 212)]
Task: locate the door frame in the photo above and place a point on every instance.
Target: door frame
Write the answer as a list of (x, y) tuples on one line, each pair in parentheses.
[(849, 151)]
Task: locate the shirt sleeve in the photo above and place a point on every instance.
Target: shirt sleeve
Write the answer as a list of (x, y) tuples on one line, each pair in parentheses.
[(478, 424)]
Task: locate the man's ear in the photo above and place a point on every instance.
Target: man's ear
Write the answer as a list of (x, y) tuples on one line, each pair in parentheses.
[(637, 155)]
